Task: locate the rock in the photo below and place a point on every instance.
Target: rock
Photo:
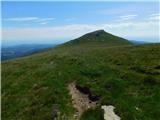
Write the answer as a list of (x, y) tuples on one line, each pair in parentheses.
[(109, 113)]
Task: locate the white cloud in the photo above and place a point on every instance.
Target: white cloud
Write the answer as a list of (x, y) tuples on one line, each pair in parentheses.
[(155, 16), (21, 19), (45, 19), (130, 30), (127, 17), (33, 19)]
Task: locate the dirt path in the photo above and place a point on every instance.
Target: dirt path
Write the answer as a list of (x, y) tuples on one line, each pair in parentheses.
[(80, 101)]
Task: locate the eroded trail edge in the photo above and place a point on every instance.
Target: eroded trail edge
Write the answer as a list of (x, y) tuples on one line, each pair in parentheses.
[(80, 101)]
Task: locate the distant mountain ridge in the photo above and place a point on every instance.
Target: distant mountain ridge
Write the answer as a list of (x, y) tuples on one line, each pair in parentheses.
[(22, 50)]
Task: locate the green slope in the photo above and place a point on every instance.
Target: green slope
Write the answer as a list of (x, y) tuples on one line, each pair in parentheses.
[(125, 76), (99, 37)]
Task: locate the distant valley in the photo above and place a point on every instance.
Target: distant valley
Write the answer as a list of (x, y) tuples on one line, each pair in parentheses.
[(22, 50)]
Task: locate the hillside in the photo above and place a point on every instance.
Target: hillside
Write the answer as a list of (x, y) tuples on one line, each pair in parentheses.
[(125, 76), (99, 37)]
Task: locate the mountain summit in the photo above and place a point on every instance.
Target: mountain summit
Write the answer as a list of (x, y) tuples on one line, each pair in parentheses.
[(100, 37)]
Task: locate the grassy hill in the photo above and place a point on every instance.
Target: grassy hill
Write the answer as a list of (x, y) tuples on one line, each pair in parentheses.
[(121, 74), (99, 37)]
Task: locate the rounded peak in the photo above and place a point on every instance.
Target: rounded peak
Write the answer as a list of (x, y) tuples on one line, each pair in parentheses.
[(99, 31)]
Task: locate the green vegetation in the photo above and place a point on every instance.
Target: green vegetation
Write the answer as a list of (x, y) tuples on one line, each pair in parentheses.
[(123, 75), (93, 114), (99, 37)]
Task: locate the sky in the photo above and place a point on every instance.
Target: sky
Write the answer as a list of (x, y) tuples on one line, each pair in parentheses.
[(57, 22)]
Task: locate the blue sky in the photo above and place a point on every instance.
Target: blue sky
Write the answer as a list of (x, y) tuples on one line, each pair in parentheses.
[(56, 22)]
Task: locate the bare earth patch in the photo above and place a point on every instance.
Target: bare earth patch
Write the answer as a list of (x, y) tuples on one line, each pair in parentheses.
[(80, 101)]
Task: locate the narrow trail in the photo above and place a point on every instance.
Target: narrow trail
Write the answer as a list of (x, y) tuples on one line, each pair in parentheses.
[(80, 101)]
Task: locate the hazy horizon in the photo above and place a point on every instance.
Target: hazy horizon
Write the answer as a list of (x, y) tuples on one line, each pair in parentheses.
[(63, 41)]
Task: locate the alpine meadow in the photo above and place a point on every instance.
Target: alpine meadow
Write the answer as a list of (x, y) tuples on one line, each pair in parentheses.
[(99, 75), (107, 67)]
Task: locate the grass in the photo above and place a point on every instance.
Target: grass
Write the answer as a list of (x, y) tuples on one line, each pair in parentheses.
[(126, 77)]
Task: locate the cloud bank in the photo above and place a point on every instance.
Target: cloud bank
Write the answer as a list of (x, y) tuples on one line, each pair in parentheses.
[(129, 30)]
